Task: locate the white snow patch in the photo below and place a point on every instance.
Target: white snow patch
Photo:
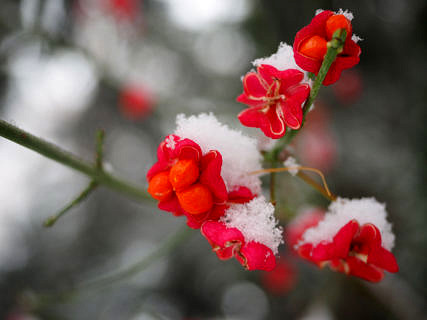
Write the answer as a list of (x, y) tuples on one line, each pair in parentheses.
[(356, 38), (283, 59), (341, 211), (291, 162), (239, 152), (170, 142), (256, 221), (346, 13), (264, 143)]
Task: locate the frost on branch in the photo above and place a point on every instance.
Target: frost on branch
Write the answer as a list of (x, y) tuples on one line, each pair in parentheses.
[(256, 221)]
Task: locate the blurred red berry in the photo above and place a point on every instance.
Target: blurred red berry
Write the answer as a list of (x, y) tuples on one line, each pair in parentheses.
[(349, 88), (281, 279), (303, 221), (136, 102), (316, 145), (126, 10)]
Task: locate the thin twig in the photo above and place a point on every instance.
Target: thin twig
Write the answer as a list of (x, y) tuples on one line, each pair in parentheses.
[(57, 154), (49, 222), (324, 190), (102, 282), (99, 149)]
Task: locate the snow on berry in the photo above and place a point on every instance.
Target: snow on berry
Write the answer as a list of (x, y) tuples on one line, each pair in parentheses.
[(229, 242), (304, 220), (341, 211), (248, 232), (354, 238), (203, 169), (239, 152), (283, 59), (256, 221)]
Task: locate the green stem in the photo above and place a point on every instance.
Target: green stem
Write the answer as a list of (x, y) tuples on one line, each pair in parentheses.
[(57, 154), (172, 242), (99, 149), (85, 193), (273, 188), (176, 239), (335, 47)]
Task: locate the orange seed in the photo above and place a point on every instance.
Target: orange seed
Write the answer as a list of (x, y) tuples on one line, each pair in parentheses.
[(183, 174), (335, 22), (195, 199), (314, 47), (159, 186)]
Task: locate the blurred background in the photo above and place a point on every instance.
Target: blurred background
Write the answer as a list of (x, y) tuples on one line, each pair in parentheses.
[(68, 68)]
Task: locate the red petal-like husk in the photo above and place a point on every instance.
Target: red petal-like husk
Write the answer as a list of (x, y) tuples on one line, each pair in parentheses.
[(253, 85), (345, 60), (275, 127), (256, 256), (240, 195), (252, 117), (304, 251), (171, 205), (224, 241), (340, 245), (211, 175), (195, 221), (367, 239), (365, 271), (289, 78), (267, 122), (243, 98), (383, 259), (267, 72), (316, 27), (292, 113), (183, 149), (344, 237), (299, 93)]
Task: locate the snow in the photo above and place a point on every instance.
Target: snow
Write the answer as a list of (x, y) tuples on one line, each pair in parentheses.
[(356, 38), (240, 154), (291, 162), (170, 142), (256, 221), (341, 211), (283, 59), (346, 13)]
